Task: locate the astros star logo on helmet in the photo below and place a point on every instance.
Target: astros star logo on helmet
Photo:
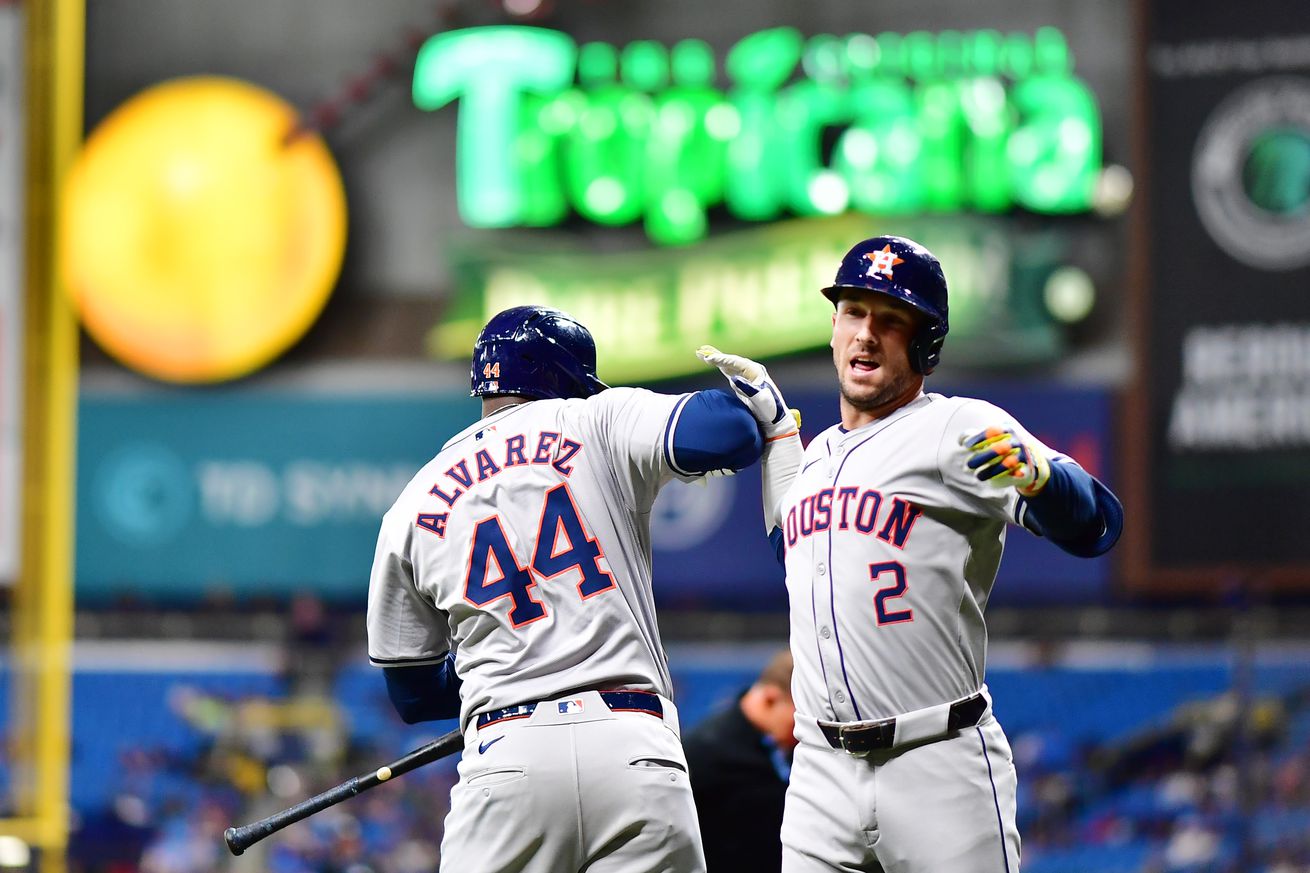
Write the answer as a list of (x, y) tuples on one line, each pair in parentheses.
[(882, 261)]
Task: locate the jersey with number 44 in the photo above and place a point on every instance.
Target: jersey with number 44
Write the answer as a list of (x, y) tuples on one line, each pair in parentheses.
[(892, 548), (524, 546)]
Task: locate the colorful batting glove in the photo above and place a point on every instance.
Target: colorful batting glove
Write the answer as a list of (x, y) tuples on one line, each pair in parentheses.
[(997, 455), (751, 383)]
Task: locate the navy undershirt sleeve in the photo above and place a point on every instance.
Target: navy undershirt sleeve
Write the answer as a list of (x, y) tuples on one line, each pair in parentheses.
[(1076, 512), (715, 431), (427, 692), (779, 547)]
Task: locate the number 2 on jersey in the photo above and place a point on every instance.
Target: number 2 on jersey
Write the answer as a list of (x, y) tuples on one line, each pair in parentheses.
[(891, 592), (486, 583)]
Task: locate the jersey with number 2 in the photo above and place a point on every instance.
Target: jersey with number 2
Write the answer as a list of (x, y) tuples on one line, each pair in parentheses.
[(892, 547)]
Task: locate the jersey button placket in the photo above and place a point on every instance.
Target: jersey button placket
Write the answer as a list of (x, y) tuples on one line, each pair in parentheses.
[(832, 643), (823, 606)]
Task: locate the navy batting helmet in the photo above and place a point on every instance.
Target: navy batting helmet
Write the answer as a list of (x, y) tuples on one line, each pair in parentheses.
[(537, 352), (905, 270)]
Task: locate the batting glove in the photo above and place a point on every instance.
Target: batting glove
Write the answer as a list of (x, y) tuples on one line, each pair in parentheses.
[(998, 456), (751, 383)]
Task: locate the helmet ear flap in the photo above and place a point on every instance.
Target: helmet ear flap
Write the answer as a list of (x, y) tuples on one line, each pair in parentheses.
[(926, 349)]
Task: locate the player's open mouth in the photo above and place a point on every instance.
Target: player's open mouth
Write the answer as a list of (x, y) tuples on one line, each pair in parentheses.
[(863, 365)]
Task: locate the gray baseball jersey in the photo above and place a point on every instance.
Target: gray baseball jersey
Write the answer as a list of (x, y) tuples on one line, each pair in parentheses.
[(892, 547), (524, 545)]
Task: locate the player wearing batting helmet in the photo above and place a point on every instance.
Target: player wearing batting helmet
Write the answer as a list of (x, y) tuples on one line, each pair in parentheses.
[(512, 587), (890, 525)]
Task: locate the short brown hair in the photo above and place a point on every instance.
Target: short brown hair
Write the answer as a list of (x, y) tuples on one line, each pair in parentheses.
[(778, 671)]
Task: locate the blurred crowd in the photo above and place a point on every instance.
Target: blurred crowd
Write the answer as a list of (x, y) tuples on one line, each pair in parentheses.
[(1221, 786), (168, 813), (1218, 784)]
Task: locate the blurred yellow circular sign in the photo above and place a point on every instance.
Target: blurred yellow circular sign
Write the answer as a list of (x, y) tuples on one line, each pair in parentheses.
[(201, 234)]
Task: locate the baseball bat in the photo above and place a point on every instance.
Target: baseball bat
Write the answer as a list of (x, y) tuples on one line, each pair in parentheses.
[(241, 838)]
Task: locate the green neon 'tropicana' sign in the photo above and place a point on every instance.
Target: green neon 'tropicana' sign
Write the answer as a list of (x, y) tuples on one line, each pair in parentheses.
[(887, 124)]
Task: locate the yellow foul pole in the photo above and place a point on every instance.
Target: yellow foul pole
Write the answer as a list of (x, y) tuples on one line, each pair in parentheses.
[(43, 593)]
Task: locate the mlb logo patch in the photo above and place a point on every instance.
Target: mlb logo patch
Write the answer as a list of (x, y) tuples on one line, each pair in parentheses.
[(568, 706)]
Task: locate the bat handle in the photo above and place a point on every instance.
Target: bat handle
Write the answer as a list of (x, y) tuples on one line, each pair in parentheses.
[(236, 840)]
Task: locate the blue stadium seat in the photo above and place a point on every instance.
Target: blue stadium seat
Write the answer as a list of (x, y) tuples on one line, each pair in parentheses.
[(1123, 858), (115, 712)]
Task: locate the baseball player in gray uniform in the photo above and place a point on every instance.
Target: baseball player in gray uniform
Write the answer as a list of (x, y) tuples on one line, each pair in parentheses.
[(512, 586), (891, 526)]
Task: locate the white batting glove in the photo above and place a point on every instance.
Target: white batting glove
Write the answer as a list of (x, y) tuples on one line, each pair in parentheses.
[(751, 383), (998, 456)]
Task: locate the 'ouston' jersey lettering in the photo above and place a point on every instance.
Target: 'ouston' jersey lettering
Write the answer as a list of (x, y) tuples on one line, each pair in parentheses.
[(891, 553), (858, 508), (524, 545)]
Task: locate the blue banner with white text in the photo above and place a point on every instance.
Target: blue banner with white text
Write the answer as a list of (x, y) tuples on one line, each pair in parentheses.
[(186, 495)]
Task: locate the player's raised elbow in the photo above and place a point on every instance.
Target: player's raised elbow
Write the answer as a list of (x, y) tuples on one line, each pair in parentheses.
[(716, 432), (743, 441), (1103, 532), (1111, 512)]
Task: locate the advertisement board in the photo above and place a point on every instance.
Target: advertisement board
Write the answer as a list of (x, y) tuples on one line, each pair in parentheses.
[(1223, 406), (753, 290), (186, 495)]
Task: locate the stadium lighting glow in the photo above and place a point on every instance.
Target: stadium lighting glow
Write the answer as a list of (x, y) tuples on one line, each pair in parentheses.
[(14, 853), (1069, 295)]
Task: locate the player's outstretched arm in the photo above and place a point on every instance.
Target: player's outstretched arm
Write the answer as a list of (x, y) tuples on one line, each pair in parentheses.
[(779, 425), (1065, 503)]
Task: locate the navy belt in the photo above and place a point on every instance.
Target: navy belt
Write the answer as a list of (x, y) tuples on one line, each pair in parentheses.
[(617, 701), (872, 736)]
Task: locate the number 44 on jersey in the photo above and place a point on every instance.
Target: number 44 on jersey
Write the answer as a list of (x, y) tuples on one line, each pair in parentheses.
[(561, 544)]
